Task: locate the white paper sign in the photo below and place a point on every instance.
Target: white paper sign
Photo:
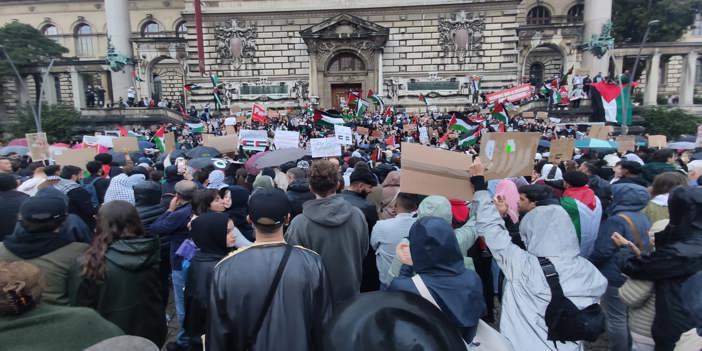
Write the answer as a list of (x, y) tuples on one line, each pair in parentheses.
[(105, 140), (230, 121), (423, 135), (253, 139), (286, 139), (490, 149), (325, 147), (90, 140), (343, 134)]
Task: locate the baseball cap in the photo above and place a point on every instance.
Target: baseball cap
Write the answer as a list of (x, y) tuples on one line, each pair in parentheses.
[(41, 209), (268, 207)]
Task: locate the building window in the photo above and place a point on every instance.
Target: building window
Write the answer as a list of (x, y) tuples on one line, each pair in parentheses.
[(57, 87), (181, 29), (150, 29), (575, 14), (539, 15), (345, 63), (84, 40), (536, 73), (50, 31), (697, 26)]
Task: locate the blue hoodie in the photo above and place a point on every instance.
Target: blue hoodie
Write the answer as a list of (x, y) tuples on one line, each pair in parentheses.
[(438, 260), (628, 200)]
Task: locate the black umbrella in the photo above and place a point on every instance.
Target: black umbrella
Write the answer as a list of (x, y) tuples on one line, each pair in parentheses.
[(118, 157), (200, 162), (202, 151)]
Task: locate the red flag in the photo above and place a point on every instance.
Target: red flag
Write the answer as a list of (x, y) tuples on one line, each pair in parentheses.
[(453, 120), (160, 132), (443, 139), (353, 96), (258, 114), (122, 131), (317, 115), (370, 93)]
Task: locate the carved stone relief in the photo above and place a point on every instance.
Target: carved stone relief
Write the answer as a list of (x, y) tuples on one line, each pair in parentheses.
[(461, 36), (236, 44)]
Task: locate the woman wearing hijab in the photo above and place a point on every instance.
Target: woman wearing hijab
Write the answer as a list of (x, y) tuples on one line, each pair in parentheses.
[(507, 190), (438, 264), (213, 233), (391, 187), (217, 201), (239, 209)]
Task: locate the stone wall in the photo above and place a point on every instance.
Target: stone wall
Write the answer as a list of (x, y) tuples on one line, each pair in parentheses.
[(171, 75)]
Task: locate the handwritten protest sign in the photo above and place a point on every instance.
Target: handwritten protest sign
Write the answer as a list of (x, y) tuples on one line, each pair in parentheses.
[(362, 130), (517, 93), (562, 149), (91, 140), (125, 144), (508, 154), (223, 144), (253, 139), (343, 134), (325, 147), (626, 143), (599, 132), (285, 139), (431, 171), (78, 158), (38, 146), (658, 141), (230, 121)]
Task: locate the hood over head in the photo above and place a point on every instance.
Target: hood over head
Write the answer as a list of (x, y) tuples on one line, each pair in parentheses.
[(331, 211), (299, 186), (209, 232), (171, 174), (392, 179), (134, 254), (685, 208), (547, 231), (628, 197), (435, 206), (147, 193)]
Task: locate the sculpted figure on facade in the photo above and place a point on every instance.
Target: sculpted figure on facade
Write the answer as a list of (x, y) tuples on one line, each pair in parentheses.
[(235, 43)]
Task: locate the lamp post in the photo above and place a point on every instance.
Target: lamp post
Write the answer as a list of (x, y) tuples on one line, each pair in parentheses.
[(633, 71)]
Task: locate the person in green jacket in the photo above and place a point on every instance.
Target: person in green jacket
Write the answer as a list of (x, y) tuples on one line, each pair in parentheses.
[(657, 208), (662, 161), (29, 324), (119, 274)]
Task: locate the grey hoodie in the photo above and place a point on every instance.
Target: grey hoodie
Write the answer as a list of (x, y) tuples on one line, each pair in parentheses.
[(338, 232)]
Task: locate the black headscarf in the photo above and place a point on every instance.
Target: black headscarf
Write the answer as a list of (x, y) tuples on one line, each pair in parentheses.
[(209, 232)]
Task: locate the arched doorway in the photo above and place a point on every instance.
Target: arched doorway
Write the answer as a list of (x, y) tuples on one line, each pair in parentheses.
[(156, 88), (342, 66), (166, 80), (536, 73), (547, 60)]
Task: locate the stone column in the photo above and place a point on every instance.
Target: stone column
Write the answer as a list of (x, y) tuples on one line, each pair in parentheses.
[(687, 80), (313, 88), (78, 89), (380, 73), (653, 80), (119, 30), (618, 65), (597, 13)]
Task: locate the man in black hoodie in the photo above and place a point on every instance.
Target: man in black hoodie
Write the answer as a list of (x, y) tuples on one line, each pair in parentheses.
[(168, 187), (79, 202), (148, 204), (298, 190), (10, 202)]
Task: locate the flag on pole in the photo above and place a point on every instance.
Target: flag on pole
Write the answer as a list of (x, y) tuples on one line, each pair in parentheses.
[(191, 86), (460, 125), (122, 131), (376, 100), (215, 90), (361, 107), (196, 127), (353, 96), (424, 99), (158, 139), (612, 102), (470, 138), (499, 113), (258, 114)]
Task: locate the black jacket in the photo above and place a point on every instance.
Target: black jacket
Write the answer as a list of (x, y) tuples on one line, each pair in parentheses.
[(10, 202), (100, 185), (79, 202), (298, 193), (371, 279), (148, 202), (602, 189), (197, 292), (678, 255)]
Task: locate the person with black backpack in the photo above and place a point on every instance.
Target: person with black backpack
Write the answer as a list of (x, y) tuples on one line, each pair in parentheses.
[(551, 294)]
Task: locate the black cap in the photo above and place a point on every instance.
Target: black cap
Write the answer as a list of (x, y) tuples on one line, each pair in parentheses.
[(576, 179), (361, 173), (42, 209), (268, 207)]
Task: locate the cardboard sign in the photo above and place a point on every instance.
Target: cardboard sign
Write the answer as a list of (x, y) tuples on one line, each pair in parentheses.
[(235, 109), (409, 128), (325, 147), (125, 144), (562, 149), (626, 143), (223, 144), (378, 134), (517, 93), (508, 154), (599, 132), (423, 135), (362, 130), (659, 141), (431, 171), (528, 114), (286, 139), (699, 136), (543, 115), (229, 130), (230, 121), (253, 139), (343, 134), (169, 142), (38, 146), (242, 119), (78, 158)]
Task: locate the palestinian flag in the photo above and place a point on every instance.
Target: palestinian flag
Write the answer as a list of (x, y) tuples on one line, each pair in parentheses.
[(477, 119), (136, 76), (424, 99), (612, 103), (361, 107), (308, 109), (196, 127), (191, 86), (321, 117), (500, 113), (353, 96), (586, 220), (158, 139), (461, 126), (377, 100), (123, 132), (564, 78), (469, 139), (215, 90)]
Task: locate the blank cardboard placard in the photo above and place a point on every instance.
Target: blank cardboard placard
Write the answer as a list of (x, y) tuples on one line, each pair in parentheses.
[(626, 143), (325, 147), (38, 146), (362, 130), (223, 144), (528, 114), (286, 139), (562, 149), (508, 154), (409, 128), (169, 142), (78, 158), (659, 141), (229, 130), (542, 115), (125, 144), (432, 171), (599, 132)]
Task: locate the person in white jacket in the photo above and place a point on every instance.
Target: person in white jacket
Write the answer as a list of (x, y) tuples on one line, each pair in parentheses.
[(547, 232)]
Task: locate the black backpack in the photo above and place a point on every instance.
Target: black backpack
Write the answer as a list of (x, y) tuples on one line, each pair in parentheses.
[(564, 320)]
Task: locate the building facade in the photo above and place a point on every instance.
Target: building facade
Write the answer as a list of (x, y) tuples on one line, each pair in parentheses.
[(286, 53)]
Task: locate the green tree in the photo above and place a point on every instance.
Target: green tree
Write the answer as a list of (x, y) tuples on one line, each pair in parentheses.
[(669, 122), (630, 18), (57, 122), (26, 46)]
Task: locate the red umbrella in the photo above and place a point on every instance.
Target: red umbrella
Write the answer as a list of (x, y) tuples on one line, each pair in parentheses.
[(18, 142), (250, 164), (101, 149), (61, 145)]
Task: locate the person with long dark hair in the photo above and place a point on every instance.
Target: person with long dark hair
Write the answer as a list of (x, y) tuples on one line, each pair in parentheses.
[(119, 274)]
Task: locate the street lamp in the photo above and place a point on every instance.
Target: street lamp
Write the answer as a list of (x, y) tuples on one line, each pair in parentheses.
[(636, 65)]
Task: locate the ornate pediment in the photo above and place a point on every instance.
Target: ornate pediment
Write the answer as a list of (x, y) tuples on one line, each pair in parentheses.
[(344, 28)]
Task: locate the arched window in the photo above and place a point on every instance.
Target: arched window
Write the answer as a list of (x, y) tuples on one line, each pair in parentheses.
[(181, 29), (539, 15), (536, 72), (150, 28), (50, 31), (84, 40), (346, 62), (575, 14)]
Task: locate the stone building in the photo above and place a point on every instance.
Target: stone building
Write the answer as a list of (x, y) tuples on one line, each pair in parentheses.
[(286, 53)]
